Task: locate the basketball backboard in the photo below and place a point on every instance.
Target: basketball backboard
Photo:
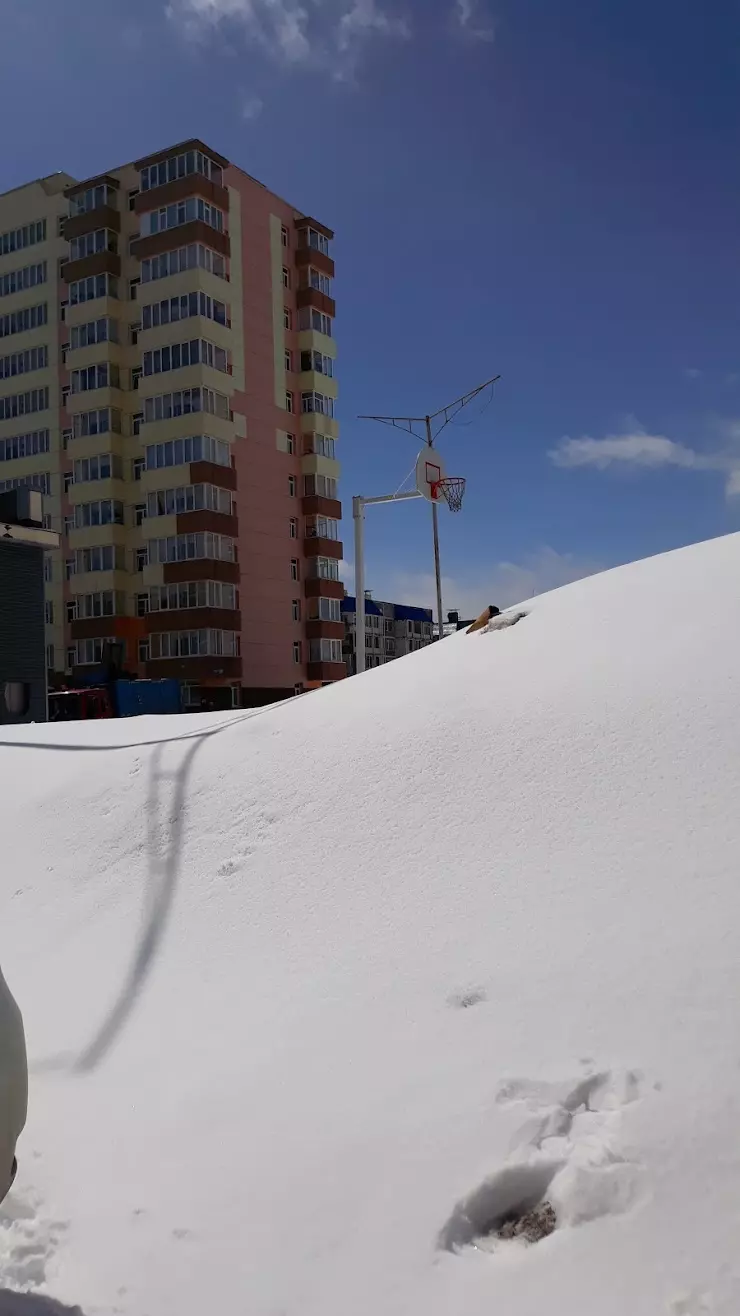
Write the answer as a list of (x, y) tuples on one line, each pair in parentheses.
[(429, 470)]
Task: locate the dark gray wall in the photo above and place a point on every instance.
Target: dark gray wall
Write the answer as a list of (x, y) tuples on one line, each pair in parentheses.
[(22, 643)]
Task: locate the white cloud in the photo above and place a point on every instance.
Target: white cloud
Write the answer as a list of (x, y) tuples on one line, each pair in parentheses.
[(467, 14), (324, 34), (251, 107), (638, 449), (503, 583)]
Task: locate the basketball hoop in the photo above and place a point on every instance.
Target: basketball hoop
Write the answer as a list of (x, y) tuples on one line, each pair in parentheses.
[(452, 489)]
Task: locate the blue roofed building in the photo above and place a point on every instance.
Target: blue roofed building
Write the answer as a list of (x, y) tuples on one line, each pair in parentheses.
[(391, 630)]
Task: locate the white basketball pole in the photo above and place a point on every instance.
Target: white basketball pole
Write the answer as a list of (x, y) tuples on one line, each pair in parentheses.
[(434, 425), (358, 512), (435, 535)]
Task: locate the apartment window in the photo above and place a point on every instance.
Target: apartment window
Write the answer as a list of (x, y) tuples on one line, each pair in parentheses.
[(102, 239), (70, 567), (194, 644), (70, 610), (65, 395), (19, 322), (182, 212), (317, 361), (288, 401), (188, 304), (294, 569), (22, 363), (140, 514), (105, 603), (318, 321), (141, 558), (132, 195), (288, 359), (17, 239), (322, 485), (49, 613), (290, 443), (284, 236), (66, 437), (192, 547), (90, 289), (180, 452), (103, 330), (298, 688), (325, 568), (320, 444), (24, 445), (296, 609), (24, 404), (135, 378), (287, 318), (322, 527), (317, 402), (103, 557), (293, 527), (180, 166), (102, 421), (142, 605), (106, 511), (143, 651), (50, 657), (93, 198), (137, 467), (194, 256), (88, 379), (286, 277), (325, 610), (177, 355), (315, 279), (189, 498), (48, 568), (310, 237), (296, 651), (90, 652), (40, 480), (185, 401), (133, 333), (137, 420), (29, 276), (325, 651), (192, 594), (292, 486)]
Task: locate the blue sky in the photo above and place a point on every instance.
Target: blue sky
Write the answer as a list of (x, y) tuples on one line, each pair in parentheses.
[(546, 191)]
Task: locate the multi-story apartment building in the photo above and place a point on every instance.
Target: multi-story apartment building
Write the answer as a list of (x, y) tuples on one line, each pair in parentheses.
[(391, 630), (167, 379)]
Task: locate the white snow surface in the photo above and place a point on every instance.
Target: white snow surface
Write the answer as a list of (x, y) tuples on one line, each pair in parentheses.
[(315, 993)]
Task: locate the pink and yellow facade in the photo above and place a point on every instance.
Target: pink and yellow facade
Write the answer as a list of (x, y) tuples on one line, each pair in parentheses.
[(177, 411)]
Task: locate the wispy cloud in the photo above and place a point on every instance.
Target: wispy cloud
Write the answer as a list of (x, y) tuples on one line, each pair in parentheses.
[(638, 449), (692, 373), (251, 107), (327, 35), (472, 21), (502, 583)]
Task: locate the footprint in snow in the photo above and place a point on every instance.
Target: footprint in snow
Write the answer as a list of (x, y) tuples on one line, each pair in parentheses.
[(567, 1165)]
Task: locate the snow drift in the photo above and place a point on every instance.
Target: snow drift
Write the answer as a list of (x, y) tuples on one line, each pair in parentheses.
[(317, 996)]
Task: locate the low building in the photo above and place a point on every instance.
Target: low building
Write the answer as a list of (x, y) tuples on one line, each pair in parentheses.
[(23, 656), (391, 630)]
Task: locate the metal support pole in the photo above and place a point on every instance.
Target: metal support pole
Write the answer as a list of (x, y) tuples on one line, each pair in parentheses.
[(435, 536), (358, 512)]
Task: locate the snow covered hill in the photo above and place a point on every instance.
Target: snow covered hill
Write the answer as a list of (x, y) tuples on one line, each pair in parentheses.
[(316, 996)]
